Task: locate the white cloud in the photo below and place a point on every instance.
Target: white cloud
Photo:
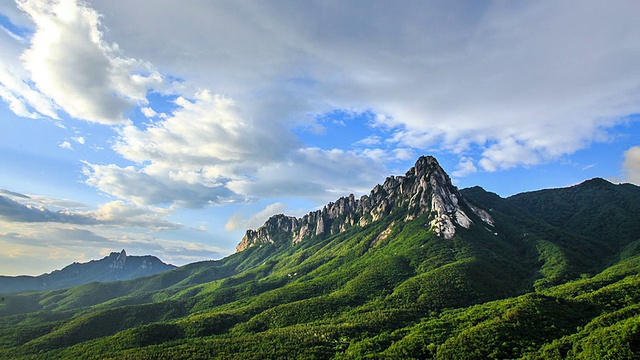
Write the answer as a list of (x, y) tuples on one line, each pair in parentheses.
[(148, 112), (497, 84), (549, 76), (403, 154), (36, 209), (78, 139), (47, 201), (21, 98), (238, 221), (144, 189), (369, 141), (66, 145), (507, 153), (631, 165), (15, 16), (43, 200), (69, 62), (43, 248), (320, 175), (507, 85), (465, 167), (208, 132), (121, 214), (13, 194), (383, 156), (208, 152), (186, 159), (313, 173)]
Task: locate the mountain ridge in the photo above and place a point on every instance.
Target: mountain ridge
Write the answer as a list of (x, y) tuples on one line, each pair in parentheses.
[(424, 188), (114, 267)]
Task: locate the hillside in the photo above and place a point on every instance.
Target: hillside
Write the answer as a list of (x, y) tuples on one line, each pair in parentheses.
[(415, 269), (116, 266)]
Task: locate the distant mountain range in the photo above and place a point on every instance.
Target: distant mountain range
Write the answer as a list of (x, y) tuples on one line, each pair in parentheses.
[(116, 266), (416, 269)]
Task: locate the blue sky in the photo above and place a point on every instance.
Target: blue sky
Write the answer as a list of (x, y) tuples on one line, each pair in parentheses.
[(169, 130)]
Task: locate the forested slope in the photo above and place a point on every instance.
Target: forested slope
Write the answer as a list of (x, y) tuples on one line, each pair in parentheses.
[(521, 286)]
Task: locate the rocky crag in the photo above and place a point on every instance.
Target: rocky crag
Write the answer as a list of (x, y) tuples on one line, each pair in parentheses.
[(424, 189)]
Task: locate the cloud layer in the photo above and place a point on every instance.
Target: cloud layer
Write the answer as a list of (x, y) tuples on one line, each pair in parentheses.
[(38, 248), (113, 214), (43, 238), (501, 84), (498, 85), (209, 152)]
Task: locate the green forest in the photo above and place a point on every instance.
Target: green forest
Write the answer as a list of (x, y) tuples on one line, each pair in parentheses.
[(555, 277)]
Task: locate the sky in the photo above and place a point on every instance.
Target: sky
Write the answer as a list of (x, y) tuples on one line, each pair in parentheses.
[(168, 128)]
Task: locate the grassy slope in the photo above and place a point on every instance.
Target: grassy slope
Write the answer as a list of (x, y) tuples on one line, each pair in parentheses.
[(358, 295)]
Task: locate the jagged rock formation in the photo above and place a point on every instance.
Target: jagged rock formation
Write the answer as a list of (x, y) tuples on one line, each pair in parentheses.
[(118, 259), (116, 266), (425, 188)]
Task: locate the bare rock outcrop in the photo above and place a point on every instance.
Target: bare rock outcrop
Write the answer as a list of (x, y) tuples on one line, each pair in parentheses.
[(425, 188)]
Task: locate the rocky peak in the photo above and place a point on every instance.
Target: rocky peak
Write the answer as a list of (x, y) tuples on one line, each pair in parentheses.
[(116, 266), (118, 259), (425, 188)]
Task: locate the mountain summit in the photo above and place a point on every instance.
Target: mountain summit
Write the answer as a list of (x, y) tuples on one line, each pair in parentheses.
[(425, 188), (117, 266)]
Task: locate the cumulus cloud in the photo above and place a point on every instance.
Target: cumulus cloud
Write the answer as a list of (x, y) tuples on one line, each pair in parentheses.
[(238, 221), (317, 174), (496, 84), (209, 152), (544, 79), (15, 88), (631, 165), (157, 189), (383, 156), (464, 168), (70, 63), (66, 145), (320, 175), (148, 112), (208, 131), (21, 98), (121, 214)]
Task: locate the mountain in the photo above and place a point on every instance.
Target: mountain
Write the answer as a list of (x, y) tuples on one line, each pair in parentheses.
[(417, 269), (425, 188), (116, 266)]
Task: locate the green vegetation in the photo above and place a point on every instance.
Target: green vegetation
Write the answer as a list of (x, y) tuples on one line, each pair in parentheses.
[(543, 283)]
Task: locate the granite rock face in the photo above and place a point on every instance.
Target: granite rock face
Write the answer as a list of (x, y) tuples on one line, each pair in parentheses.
[(425, 188), (118, 259)]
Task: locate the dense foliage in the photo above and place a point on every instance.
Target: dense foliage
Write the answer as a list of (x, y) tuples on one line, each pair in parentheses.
[(556, 277)]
